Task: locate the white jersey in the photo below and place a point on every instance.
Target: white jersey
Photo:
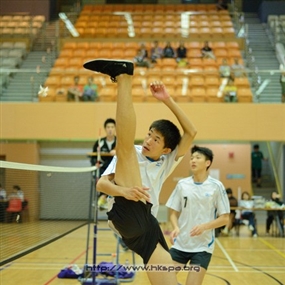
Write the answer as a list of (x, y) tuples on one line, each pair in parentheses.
[(153, 173), (197, 203)]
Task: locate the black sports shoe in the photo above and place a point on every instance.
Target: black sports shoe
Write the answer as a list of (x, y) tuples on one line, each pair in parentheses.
[(113, 68)]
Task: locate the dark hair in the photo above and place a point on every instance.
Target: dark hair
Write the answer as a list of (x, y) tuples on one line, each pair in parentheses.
[(169, 131), (256, 146), (245, 193), (17, 187), (205, 151), (109, 121), (229, 191)]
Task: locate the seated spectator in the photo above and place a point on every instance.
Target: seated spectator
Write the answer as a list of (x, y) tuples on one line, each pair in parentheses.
[(230, 91), (90, 91), (275, 197), (156, 52), (74, 92), (206, 51), (181, 55), (246, 203), (168, 51), (17, 193), (222, 5), (3, 194), (225, 69), (141, 59), (233, 203), (238, 69)]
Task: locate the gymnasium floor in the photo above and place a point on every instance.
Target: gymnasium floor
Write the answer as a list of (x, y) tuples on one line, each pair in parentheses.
[(236, 260)]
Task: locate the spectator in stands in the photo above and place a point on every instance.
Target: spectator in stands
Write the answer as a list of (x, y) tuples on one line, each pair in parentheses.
[(181, 55), (74, 92), (256, 165), (237, 69), (90, 91), (282, 82), (222, 5), (168, 51), (233, 203), (225, 69), (3, 193), (17, 193), (230, 91), (246, 203), (207, 51), (156, 52), (141, 59), (275, 197)]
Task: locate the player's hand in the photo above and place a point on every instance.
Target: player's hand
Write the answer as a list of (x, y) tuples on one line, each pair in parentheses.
[(159, 91), (113, 152), (197, 230), (137, 193), (174, 234)]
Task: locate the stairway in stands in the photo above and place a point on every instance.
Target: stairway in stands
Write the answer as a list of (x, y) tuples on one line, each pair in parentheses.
[(24, 84), (265, 58)]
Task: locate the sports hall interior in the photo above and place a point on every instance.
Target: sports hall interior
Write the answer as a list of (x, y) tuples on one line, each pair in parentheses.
[(56, 229)]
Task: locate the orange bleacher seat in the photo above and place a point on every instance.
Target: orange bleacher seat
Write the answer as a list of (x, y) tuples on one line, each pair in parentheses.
[(218, 45), (234, 53), (194, 32), (217, 32), (198, 61), (228, 32), (196, 80), (100, 32), (61, 62), (205, 32), (89, 32), (242, 82), (57, 71), (211, 94), (244, 95), (66, 81), (130, 52), (50, 95), (66, 53), (232, 45), (107, 94), (139, 81), (53, 81), (194, 53), (75, 62), (138, 94), (91, 53), (104, 53), (198, 94), (219, 52), (182, 94), (194, 45), (69, 45), (79, 52), (168, 62), (211, 70), (70, 71), (117, 53), (215, 24), (211, 80)]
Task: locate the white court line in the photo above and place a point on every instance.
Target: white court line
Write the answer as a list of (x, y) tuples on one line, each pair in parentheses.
[(226, 255)]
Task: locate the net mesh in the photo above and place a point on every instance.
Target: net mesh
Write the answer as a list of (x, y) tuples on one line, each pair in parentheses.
[(57, 200)]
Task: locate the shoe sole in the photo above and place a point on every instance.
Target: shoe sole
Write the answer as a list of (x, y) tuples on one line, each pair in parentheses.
[(90, 65)]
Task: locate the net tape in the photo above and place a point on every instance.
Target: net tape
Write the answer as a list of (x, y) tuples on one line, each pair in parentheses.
[(35, 167)]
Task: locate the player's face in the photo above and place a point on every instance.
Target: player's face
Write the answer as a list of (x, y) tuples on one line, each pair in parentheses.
[(153, 145), (110, 129), (198, 162)]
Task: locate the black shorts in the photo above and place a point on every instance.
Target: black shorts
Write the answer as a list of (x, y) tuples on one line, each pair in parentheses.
[(139, 229), (201, 259), (256, 172)]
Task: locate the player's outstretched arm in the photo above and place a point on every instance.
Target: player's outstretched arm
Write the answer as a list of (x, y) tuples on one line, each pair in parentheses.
[(159, 91)]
